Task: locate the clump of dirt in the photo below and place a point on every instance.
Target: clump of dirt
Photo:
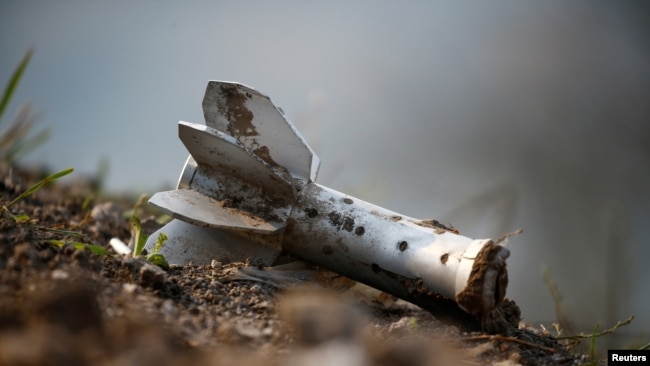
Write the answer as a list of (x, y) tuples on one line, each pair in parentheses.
[(70, 306)]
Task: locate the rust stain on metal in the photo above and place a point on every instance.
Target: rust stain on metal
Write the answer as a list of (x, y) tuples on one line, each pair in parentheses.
[(264, 154), (341, 221), (257, 210), (240, 118), (437, 226)]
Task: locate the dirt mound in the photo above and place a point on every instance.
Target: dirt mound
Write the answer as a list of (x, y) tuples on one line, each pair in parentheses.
[(63, 305)]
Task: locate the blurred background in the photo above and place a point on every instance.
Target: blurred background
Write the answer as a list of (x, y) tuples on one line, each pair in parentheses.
[(489, 116)]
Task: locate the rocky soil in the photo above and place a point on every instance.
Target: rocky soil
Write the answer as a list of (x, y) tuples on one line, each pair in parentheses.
[(69, 306)]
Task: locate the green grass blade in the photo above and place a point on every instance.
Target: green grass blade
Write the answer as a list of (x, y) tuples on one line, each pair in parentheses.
[(20, 219), (15, 79), (17, 129), (27, 145), (96, 249), (160, 241), (41, 183), (62, 232), (592, 345), (139, 238), (159, 260)]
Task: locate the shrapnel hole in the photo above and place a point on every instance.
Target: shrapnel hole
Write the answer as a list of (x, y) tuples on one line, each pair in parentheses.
[(360, 230), (402, 246)]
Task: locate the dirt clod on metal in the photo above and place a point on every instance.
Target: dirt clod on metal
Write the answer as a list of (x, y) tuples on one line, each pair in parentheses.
[(472, 298), (239, 116)]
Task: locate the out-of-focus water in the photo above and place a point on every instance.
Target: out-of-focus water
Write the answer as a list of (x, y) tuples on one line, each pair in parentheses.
[(492, 116)]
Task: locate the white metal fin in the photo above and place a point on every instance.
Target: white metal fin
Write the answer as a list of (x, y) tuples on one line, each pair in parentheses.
[(226, 155), (199, 209), (200, 245), (251, 118)]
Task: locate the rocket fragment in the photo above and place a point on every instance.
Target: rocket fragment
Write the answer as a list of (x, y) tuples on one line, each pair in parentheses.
[(248, 191)]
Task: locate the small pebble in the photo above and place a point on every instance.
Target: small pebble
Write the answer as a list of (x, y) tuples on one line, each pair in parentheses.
[(107, 211), (59, 274), (256, 288), (215, 264), (129, 288), (152, 276)]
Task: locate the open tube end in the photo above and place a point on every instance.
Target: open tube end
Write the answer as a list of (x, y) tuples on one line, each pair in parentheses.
[(487, 282)]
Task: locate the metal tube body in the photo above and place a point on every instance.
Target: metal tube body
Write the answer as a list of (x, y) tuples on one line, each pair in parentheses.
[(382, 248)]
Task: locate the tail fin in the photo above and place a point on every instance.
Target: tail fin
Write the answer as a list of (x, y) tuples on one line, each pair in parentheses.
[(251, 118)]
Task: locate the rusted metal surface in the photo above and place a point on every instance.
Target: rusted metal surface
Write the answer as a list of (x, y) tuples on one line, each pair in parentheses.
[(248, 191)]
